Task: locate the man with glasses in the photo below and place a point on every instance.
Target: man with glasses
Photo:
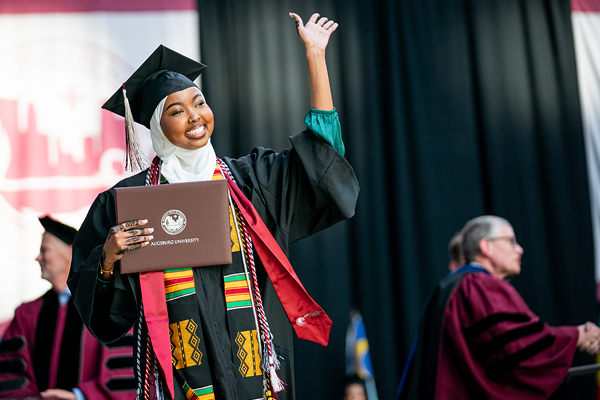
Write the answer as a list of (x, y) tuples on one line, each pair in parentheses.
[(478, 339)]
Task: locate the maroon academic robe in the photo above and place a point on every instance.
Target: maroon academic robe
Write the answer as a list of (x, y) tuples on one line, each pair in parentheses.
[(491, 345), (47, 346)]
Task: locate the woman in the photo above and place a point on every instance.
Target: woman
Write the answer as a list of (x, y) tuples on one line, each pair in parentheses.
[(217, 348)]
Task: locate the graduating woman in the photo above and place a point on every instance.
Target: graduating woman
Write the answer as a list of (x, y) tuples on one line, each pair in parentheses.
[(224, 331)]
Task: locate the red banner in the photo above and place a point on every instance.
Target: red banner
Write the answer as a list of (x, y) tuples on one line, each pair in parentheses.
[(585, 5), (61, 60), (64, 6)]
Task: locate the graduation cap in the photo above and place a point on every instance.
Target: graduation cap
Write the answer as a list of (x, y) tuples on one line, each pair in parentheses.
[(163, 73), (58, 229)]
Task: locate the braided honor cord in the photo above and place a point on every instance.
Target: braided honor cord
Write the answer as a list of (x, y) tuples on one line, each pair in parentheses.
[(270, 363)]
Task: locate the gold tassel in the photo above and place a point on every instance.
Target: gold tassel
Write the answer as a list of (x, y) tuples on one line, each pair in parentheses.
[(135, 159)]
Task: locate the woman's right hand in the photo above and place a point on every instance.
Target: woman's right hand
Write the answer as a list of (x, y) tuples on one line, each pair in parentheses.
[(315, 34), (121, 239)]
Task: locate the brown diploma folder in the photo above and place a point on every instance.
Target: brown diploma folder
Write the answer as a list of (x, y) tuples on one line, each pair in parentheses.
[(190, 221)]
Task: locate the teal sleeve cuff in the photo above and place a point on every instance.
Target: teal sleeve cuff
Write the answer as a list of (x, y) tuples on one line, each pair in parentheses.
[(326, 125)]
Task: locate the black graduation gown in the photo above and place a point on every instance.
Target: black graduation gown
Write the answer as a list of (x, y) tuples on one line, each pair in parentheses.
[(297, 192)]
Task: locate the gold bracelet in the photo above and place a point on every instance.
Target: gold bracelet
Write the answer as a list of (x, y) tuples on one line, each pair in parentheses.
[(102, 271)]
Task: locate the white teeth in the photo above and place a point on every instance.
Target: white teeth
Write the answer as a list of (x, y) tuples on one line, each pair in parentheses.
[(196, 131)]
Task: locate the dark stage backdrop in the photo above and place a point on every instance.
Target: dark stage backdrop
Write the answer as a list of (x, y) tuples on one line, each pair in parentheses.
[(449, 109)]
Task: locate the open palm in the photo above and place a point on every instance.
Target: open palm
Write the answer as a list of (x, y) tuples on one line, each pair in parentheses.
[(315, 34)]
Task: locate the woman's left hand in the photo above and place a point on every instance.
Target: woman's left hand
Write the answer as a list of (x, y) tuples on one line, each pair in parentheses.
[(315, 34)]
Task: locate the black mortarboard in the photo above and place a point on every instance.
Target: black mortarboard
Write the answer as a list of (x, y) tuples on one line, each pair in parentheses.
[(58, 229), (163, 73)]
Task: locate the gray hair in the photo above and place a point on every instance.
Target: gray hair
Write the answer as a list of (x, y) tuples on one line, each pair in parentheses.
[(485, 226)]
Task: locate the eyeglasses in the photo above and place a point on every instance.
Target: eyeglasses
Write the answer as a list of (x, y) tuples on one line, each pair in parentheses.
[(511, 239)]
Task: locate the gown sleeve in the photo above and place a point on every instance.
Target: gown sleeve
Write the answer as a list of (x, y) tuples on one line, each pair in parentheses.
[(299, 191), (107, 371), (17, 376), (109, 310)]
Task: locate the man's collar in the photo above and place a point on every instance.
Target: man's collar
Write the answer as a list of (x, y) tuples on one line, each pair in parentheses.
[(64, 296), (473, 266)]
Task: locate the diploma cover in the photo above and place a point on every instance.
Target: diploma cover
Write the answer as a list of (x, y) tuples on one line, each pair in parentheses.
[(190, 221)]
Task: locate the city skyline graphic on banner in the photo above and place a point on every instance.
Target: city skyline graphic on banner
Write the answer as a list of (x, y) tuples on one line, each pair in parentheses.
[(59, 148), (61, 60)]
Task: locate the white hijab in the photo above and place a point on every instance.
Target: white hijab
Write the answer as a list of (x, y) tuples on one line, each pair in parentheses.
[(180, 165)]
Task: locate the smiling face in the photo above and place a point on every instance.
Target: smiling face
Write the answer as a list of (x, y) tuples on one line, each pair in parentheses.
[(54, 260), (187, 121)]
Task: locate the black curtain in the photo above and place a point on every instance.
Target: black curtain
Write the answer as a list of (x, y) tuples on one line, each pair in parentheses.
[(449, 109)]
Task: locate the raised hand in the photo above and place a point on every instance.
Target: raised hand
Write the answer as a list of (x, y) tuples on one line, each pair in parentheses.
[(121, 239), (315, 34)]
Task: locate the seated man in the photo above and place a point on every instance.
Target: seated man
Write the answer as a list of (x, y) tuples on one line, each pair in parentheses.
[(47, 352), (479, 340)]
